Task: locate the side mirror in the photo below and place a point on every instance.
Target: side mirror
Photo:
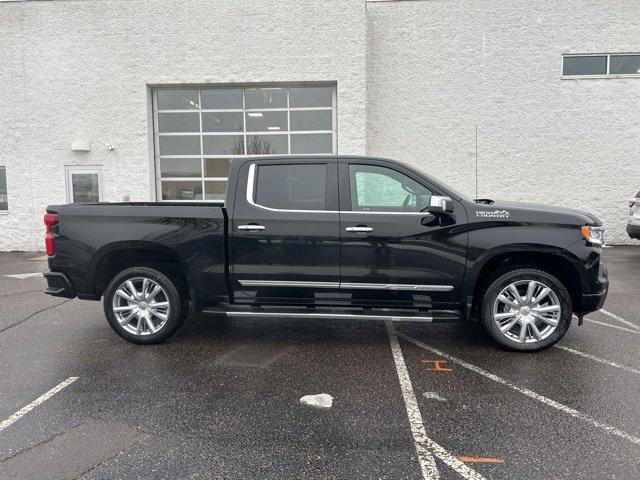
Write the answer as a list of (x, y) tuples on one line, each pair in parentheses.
[(440, 206)]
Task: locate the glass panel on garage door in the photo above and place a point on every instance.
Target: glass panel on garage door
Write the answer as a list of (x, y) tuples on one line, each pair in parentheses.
[(199, 131)]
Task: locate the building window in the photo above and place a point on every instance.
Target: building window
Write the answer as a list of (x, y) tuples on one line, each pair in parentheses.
[(4, 200), (600, 65), (199, 131), (624, 64), (84, 184)]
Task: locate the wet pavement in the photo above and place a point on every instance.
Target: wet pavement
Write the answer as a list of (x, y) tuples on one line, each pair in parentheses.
[(220, 399)]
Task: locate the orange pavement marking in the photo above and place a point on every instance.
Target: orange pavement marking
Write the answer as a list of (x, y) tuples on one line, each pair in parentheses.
[(437, 365), (462, 458)]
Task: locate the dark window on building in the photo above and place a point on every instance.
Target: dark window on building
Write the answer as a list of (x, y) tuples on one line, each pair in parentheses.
[(606, 65), (624, 65), (585, 65), (4, 201)]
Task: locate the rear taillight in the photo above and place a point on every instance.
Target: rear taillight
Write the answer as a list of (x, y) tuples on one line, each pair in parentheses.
[(50, 220)]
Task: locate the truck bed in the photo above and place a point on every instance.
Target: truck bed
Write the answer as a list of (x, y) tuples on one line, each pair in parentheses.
[(189, 235)]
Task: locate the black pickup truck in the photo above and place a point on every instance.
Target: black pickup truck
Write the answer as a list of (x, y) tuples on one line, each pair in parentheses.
[(331, 237)]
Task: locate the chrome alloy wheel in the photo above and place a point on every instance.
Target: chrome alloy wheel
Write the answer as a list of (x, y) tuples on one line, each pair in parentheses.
[(141, 306), (527, 311)]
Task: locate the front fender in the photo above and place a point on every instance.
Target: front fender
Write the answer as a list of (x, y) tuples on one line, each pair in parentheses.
[(558, 246)]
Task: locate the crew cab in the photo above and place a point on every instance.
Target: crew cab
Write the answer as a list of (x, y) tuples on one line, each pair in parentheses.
[(332, 237)]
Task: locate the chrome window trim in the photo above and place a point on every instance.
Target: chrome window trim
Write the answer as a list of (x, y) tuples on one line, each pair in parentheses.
[(347, 285), (423, 214)]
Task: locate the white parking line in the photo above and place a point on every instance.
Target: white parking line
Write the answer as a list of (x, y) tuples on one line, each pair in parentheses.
[(599, 359), (22, 276), (617, 327), (525, 391), (620, 319), (425, 447), (41, 399)]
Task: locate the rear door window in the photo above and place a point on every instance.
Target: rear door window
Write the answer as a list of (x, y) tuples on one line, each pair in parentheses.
[(292, 187)]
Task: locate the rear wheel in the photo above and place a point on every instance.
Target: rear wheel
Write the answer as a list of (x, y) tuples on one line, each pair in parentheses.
[(526, 309), (144, 305)]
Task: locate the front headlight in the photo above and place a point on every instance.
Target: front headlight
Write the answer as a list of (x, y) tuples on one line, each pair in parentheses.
[(594, 235)]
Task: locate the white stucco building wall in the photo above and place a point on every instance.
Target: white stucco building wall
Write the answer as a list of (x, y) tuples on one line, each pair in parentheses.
[(81, 70), (413, 79), (437, 69)]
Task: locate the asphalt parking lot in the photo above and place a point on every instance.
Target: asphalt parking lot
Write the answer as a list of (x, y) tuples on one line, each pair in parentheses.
[(221, 398)]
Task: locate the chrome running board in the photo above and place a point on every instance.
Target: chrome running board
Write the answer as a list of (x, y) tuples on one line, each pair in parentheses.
[(346, 316), (436, 316)]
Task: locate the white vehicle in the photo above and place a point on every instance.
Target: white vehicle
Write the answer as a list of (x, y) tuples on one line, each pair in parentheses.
[(633, 227)]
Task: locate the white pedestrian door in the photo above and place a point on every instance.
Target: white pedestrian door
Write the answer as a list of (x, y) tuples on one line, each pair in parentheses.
[(84, 184)]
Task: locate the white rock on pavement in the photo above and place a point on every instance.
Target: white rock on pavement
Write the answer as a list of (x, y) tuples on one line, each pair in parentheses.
[(321, 400)]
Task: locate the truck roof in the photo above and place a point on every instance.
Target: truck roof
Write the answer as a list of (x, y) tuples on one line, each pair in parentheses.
[(314, 157)]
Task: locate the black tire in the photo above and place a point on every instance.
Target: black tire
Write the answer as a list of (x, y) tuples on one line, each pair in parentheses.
[(175, 296), (502, 280)]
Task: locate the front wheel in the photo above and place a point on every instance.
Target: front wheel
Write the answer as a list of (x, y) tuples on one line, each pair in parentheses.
[(526, 309), (143, 305)]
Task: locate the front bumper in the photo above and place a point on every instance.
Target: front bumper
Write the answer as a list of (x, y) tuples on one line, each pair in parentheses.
[(58, 285), (594, 301), (633, 231)]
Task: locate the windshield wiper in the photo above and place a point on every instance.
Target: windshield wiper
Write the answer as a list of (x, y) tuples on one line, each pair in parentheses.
[(486, 201)]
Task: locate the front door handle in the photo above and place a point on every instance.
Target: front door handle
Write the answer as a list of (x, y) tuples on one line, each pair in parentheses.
[(252, 227), (360, 229)]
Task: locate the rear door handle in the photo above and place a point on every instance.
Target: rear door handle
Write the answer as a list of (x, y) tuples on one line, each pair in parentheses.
[(360, 229), (252, 227)]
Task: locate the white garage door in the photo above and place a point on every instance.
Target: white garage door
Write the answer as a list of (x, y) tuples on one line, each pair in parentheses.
[(198, 131)]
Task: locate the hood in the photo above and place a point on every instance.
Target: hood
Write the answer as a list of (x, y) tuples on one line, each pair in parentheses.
[(531, 212)]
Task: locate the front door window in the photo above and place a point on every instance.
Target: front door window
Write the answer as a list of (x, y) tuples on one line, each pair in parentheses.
[(381, 189)]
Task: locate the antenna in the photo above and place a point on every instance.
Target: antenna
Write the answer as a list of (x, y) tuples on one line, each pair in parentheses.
[(476, 161)]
